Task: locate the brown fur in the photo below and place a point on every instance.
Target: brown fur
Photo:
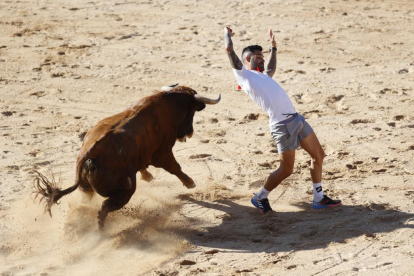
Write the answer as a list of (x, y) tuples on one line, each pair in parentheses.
[(119, 146)]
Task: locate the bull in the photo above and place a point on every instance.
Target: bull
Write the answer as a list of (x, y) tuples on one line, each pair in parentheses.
[(119, 146)]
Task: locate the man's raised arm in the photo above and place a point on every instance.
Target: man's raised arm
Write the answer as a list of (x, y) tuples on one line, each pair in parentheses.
[(272, 61), (228, 45)]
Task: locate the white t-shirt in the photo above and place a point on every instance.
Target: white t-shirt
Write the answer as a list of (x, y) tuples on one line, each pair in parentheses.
[(265, 92)]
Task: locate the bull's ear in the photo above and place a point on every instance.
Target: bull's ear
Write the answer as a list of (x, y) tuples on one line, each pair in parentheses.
[(198, 106)]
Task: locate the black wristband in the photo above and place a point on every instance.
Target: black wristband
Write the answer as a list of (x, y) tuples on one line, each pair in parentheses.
[(273, 48)]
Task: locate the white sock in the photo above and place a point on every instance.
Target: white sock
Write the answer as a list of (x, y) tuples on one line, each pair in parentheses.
[(317, 192), (262, 194)]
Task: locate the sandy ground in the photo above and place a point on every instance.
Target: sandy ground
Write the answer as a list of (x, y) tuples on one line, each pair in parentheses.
[(347, 66)]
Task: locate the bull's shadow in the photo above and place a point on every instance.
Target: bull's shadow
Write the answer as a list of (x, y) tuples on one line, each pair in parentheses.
[(243, 228)]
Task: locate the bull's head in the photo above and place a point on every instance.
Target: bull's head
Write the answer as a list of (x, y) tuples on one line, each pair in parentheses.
[(198, 103)]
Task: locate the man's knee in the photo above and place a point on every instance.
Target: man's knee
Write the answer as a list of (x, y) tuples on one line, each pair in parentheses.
[(319, 157), (287, 171)]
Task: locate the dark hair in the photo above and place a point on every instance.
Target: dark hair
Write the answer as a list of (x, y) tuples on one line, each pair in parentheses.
[(250, 49)]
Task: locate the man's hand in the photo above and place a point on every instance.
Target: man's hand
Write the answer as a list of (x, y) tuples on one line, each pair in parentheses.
[(272, 39), (229, 31), (271, 63), (228, 45)]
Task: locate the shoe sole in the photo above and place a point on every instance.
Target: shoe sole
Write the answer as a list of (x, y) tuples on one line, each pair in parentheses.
[(255, 205), (326, 206)]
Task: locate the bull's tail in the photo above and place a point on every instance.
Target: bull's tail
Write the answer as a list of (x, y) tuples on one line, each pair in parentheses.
[(49, 191)]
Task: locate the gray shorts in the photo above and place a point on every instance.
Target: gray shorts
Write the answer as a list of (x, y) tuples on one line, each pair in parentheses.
[(289, 133)]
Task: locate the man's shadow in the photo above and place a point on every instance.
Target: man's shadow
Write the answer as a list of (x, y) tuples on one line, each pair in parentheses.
[(243, 228)]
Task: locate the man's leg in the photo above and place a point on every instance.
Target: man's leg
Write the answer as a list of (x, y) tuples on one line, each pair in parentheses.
[(311, 145), (287, 160)]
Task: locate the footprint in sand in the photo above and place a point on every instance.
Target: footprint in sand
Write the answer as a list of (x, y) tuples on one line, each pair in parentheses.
[(341, 154), (379, 171), (361, 121), (251, 117), (402, 71), (257, 184), (370, 235), (243, 270), (327, 69), (334, 98), (409, 194), (198, 156), (38, 94), (312, 114), (219, 133), (219, 141), (57, 75), (267, 165), (331, 175), (336, 102), (351, 166), (211, 252), (82, 135), (8, 113), (187, 262), (34, 153), (13, 167)]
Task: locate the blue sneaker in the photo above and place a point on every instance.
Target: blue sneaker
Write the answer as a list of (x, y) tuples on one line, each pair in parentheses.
[(325, 203), (262, 204)]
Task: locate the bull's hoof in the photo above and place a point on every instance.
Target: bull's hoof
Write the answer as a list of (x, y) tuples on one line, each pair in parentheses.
[(190, 185), (147, 177), (182, 140)]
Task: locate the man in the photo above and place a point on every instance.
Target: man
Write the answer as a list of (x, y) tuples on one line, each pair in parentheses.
[(288, 128)]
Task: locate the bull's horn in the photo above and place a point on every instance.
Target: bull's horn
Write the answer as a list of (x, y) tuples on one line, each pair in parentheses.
[(168, 88), (208, 100)]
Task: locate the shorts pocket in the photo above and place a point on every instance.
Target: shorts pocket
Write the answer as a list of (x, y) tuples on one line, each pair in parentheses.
[(294, 127), (280, 135)]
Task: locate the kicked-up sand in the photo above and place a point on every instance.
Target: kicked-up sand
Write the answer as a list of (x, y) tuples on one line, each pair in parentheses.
[(348, 68)]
